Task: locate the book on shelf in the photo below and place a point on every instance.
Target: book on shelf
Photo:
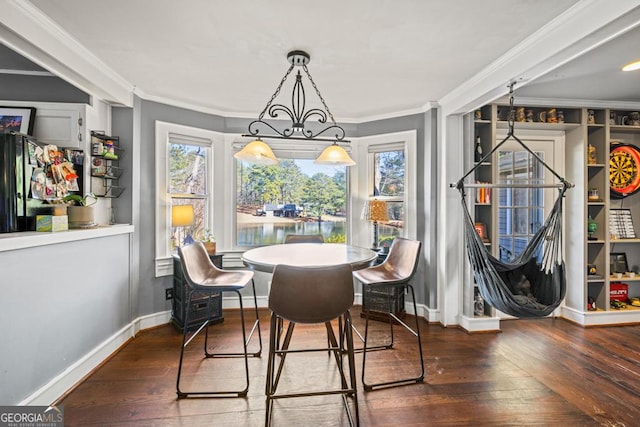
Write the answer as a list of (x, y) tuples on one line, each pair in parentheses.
[(483, 194)]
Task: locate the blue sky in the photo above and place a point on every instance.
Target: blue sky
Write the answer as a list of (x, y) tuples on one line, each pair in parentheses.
[(309, 168)]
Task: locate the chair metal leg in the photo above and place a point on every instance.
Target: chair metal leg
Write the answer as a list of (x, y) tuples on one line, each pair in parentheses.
[(281, 348), (244, 354), (416, 333)]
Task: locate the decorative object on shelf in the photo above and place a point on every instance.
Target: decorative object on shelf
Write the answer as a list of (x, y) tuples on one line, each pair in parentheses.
[(619, 292), (592, 270), (520, 116), (560, 116), (612, 118), (209, 242), (591, 304), (182, 216), (624, 169), (477, 151), (375, 210), (529, 116), (477, 115), (592, 227), (634, 118), (592, 155), (481, 229), (80, 210), (591, 117), (618, 262), (621, 224), (478, 305), (594, 195), (552, 116), (257, 151)]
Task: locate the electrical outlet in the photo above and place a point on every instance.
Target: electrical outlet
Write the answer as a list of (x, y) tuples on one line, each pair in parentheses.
[(168, 293)]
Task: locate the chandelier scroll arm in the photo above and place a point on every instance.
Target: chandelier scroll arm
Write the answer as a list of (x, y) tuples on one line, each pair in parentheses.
[(276, 93)]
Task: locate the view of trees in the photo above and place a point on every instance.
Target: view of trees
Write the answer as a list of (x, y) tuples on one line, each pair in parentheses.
[(286, 183)]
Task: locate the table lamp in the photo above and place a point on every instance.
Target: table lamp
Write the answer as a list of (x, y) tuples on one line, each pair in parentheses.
[(375, 210), (182, 216)]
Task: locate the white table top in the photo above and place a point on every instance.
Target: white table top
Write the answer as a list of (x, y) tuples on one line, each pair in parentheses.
[(266, 258)]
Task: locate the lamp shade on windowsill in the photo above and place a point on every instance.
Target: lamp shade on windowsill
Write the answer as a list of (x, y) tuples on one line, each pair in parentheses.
[(182, 215), (257, 152), (334, 155)]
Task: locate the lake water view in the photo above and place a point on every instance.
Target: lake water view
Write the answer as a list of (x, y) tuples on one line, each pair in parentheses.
[(271, 233)]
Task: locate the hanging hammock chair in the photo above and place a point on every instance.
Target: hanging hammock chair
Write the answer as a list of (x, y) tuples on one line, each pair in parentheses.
[(534, 284)]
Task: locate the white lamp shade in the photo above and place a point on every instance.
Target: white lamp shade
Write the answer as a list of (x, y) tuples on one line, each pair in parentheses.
[(182, 215), (257, 152), (334, 155)]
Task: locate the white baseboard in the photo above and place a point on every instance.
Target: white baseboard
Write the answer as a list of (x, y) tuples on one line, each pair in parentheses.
[(59, 385)]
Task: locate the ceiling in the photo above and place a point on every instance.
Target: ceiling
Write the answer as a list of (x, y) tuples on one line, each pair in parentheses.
[(369, 58)]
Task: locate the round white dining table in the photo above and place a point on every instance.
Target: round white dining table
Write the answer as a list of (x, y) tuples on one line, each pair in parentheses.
[(265, 258)]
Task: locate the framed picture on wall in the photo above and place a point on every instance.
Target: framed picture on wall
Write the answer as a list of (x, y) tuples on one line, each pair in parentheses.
[(17, 119)]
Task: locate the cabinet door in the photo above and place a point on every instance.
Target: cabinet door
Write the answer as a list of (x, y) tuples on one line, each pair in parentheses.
[(62, 127)]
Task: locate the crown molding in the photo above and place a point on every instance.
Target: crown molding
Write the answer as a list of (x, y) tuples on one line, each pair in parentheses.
[(28, 31), (252, 116), (583, 27)]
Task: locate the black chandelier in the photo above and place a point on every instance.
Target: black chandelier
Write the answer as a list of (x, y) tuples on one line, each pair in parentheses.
[(257, 151)]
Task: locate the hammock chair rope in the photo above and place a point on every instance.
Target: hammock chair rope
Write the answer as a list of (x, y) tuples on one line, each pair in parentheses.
[(534, 284)]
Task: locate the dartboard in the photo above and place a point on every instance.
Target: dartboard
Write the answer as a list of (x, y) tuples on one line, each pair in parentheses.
[(624, 170)]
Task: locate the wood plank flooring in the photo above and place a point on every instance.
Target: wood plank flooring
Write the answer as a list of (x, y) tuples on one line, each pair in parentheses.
[(545, 372)]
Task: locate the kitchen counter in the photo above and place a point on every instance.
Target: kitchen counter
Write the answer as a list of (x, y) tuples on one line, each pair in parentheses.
[(28, 239)]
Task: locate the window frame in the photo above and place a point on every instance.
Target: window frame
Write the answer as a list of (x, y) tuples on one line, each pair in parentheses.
[(167, 133), (363, 182)]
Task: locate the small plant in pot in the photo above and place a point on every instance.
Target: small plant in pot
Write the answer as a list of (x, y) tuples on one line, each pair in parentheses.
[(209, 242), (80, 210)]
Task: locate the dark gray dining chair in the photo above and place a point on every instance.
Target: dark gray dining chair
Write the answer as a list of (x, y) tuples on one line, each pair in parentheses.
[(203, 277), (303, 238), (396, 271), (311, 295)]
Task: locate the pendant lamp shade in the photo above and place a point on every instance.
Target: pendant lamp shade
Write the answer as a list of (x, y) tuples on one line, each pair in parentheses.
[(334, 155), (257, 152)]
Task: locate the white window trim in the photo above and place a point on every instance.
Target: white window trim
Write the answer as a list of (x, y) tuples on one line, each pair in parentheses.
[(212, 140), (361, 181)]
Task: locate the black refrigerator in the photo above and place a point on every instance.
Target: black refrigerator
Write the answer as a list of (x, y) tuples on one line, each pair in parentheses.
[(17, 161)]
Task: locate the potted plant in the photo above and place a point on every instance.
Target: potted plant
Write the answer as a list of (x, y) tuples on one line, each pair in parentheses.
[(80, 210), (209, 242)]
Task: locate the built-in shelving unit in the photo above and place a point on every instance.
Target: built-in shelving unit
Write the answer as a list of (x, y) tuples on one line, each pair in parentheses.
[(591, 245), (588, 133)]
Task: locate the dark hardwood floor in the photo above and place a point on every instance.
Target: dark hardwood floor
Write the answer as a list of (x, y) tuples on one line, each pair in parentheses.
[(536, 372)]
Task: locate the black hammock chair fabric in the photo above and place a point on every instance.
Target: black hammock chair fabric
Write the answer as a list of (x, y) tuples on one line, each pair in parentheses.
[(524, 287)]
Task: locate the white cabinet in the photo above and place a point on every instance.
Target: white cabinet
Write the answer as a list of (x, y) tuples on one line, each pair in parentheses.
[(62, 125)]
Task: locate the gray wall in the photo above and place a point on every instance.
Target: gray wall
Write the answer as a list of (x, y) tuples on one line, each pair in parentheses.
[(59, 302), (151, 289), (17, 87), (425, 280)]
